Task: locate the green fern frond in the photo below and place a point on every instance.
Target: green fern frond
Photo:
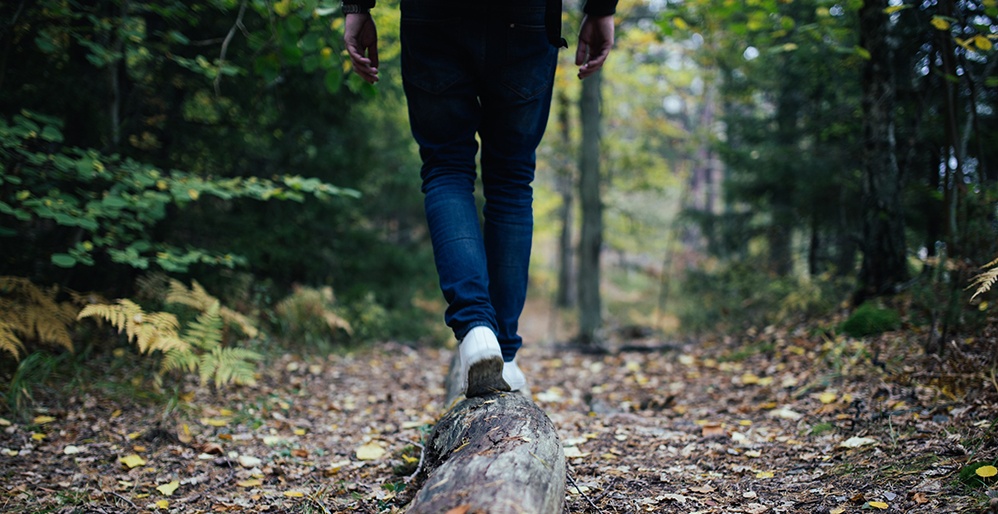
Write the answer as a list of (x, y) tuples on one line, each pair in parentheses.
[(205, 332), (178, 359), (9, 341), (199, 298), (985, 280), (229, 365)]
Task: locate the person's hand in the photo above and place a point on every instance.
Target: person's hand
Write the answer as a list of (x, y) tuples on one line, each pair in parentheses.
[(595, 42), (361, 38)]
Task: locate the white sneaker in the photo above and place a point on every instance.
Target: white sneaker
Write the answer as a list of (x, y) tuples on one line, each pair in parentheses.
[(481, 363), (513, 376)]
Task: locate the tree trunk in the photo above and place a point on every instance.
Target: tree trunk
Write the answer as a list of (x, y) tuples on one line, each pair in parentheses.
[(564, 184), (495, 454), (591, 241), (884, 265)]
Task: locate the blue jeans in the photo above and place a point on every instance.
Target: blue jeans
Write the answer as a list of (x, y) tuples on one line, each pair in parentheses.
[(480, 67)]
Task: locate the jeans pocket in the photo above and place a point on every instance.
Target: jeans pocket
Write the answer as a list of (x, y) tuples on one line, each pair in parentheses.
[(427, 54), (530, 60)]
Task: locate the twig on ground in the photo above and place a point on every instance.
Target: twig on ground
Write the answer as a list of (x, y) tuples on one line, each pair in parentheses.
[(584, 495), (122, 498), (419, 466)]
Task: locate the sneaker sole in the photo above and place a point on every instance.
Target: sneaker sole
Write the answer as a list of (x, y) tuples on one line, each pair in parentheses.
[(485, 376)]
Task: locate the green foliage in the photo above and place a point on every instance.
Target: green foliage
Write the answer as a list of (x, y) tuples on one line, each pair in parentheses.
[(31, 372), (739, 295), (113, 204), (870, 319)]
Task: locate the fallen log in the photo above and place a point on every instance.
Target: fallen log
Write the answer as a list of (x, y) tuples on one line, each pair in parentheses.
[(494, 454)]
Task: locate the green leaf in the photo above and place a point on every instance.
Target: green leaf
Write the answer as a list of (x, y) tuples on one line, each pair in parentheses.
[(50, 133), (63, 260), (862, 52), (334, 79)]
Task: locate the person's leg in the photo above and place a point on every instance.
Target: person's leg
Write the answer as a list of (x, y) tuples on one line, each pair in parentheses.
[(439, 75), (515, 111), (444, 114)]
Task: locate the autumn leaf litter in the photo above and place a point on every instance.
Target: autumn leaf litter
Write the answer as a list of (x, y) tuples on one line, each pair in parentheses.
[(772, 421)]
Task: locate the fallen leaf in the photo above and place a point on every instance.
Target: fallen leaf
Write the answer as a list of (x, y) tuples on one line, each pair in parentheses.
[(573, 452), (294, 494), (248, 461), (370, 451), (4, 422), (134, 435), (299, 431), (920, 498), (71, 450), (828, 397), (215, 422), (856, 442), (703, 489), (298, 452), (879, 505), (132, 461), (37, 436), (168, 489), (713, 429), (765, 474), (786, 413), (986, 471), (163, 504), (252, 482), (460, 509), (41, 420)]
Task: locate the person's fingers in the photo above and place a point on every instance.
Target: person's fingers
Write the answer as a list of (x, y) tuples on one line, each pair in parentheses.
[(581, 52), (372, 54)]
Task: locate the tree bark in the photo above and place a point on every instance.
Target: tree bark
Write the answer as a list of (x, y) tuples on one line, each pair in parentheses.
[(496, 454), (591, 241), (565, 184), (884, 264)]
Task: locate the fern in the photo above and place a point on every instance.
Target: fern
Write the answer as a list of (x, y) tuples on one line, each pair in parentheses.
[(985, 280), (215, 364), (29, 312), (9, 341), (198, 298), (157, 331)]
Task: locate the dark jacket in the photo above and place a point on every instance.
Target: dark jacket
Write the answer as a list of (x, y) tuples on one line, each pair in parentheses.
[(552, 18)]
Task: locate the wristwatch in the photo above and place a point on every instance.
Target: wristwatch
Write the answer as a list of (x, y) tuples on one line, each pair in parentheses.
[(355, 7)]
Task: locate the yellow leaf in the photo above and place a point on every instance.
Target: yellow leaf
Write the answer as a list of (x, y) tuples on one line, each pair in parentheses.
[(982, 42), (879, 505), (41, 420), (409, 460), (895, 8), (940, 23), (370, 451), (162, 504), (765, 474), (299, 431), (168, 489), (134, 435), (116, 413), (986, 471), (680, 23), (132, 461), (253, 482), (215, 422), (282, 8), (294, 494), (749, 379), (963, 42), (37, 436), (225, 412), (828, 397)]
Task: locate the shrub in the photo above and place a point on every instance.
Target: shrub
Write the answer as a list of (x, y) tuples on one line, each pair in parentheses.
[(870, 319)]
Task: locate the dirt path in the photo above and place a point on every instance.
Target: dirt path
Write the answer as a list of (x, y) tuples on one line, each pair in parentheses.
[(771, 422)]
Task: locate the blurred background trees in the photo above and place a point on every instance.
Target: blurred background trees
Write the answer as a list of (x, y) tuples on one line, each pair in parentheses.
[(758, 162)]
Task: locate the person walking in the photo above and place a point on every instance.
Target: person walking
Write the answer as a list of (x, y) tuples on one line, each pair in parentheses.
[(480, 68)]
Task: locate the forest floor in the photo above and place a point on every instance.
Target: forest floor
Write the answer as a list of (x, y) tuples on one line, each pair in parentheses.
[(767, 421)]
